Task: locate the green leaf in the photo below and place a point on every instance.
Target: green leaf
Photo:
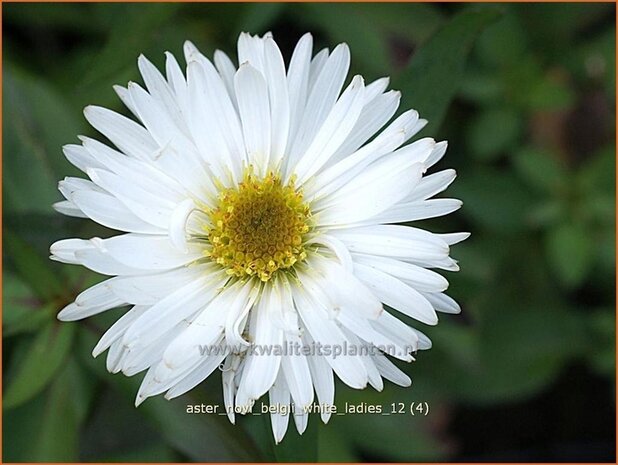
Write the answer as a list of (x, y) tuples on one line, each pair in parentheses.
[(551, 94), (570, 251), (119, 55), (18, 301), (34, 270), (37, 123), (495, 200), (493, 132), (602, 351), (45, 356), (33, 321), (435, 73), (540, 169), (57, 439)]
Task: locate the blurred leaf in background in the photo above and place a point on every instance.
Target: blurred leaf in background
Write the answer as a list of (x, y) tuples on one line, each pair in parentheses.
[(524, 94)]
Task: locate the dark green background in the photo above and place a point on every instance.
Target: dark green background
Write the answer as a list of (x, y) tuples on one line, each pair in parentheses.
[(525, 95)]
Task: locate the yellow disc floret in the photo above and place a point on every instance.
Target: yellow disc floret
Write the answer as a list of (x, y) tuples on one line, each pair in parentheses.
[(258, 227)]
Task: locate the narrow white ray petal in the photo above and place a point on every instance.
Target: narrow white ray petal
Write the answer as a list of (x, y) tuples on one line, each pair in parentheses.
[(336, 127), (297, 375), (160, 89), (333, 177), (178, 305), (373, 375), (94, 300), (125, 98), (279, 397), (377, 188), (91, 254), (397, 331), (178, 83), (323, 381), (274, 71), (109, 211), (376, 88), (415, 211), (79, 157), (227, 70), (442, 302), (454, 238), (145, 204), (66, 207), (390, 371), (301, 419), (251, 50), (254, 109), (149, 252), (206, 328), (117, 329), (298, 81), (151, 288), (396, 294), (262, 367), (320, 103), (317, 63), (394, 241), (375, 114), (432, 185), (348, 368), (127, 135), (195, 377), (418, 277)]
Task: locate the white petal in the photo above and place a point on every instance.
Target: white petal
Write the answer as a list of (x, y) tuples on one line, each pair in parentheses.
[(66, 207), (279, 397), (150, 289), (298, 80), (178, 305), (109, 211), (397, 294), (262, 369), (254, 109), (374, 115), (414, 211), (96, 299), (195, 377), (274, 69), (442, 303), (350, 369), (227, 70), (336, 127), (320, 103), (401, 242), (432, 185), (418, 277), (390, 371), (377, 188), (127, 135), (149, 252), (117, 329)]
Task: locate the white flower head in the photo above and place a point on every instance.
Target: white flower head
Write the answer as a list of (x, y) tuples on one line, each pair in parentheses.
[(258, 207)]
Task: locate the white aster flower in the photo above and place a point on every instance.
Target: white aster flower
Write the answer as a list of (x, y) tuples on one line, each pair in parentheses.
[(259, 210)]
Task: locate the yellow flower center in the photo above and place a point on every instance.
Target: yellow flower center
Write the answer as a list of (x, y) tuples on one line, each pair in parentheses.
[(258, 227)]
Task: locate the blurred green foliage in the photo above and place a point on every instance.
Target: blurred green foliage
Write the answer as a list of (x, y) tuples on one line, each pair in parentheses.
[(524, 94)]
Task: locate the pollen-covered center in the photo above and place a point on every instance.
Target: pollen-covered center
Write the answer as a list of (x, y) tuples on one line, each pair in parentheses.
[(258, 227)]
